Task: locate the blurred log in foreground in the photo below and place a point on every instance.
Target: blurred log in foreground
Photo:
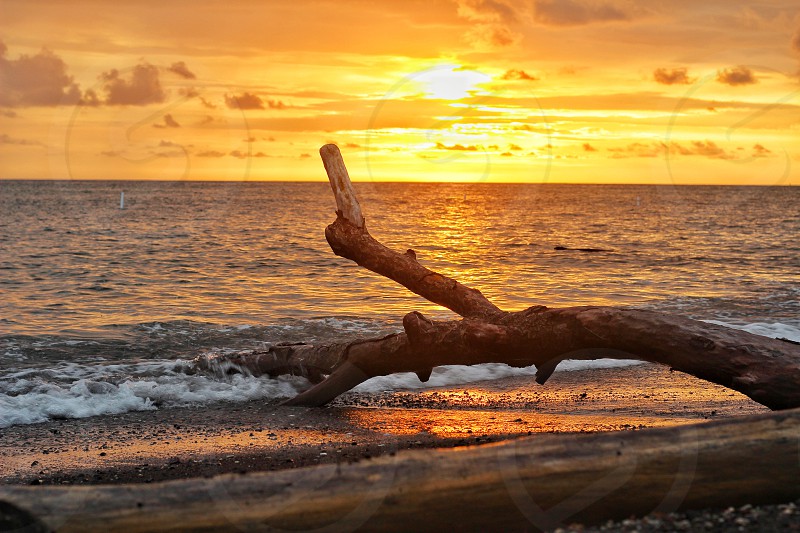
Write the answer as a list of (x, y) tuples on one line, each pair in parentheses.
[(533, 483)]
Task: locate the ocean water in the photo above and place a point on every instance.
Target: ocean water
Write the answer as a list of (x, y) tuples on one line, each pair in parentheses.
[(102, 309)]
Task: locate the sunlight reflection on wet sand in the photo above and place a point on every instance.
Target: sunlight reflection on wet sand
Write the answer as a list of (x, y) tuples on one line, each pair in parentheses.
[(595, 400)]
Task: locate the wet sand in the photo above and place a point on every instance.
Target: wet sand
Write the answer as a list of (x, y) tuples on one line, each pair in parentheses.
[(247, 437)]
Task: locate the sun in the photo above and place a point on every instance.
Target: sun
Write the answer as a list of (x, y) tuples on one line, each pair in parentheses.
[(450, 82)]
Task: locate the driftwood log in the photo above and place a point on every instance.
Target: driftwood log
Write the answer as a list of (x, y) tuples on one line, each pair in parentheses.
[(767, 370), (530, 484)]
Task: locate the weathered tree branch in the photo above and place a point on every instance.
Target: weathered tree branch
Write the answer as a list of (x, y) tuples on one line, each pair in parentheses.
[(353, 241), (347, 205), (767, 370)]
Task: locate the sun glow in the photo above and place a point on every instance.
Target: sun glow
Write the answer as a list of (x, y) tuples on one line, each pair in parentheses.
[(451, 82), (451, 92)]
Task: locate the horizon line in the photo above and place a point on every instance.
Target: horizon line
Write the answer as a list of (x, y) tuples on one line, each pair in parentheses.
[(398, 182)]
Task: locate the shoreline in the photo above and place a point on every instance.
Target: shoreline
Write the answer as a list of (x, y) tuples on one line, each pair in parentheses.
[(177, 443), (240, 438)]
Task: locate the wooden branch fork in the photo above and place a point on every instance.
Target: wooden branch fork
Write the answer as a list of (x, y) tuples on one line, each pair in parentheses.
[(767, 370), (532, 483)]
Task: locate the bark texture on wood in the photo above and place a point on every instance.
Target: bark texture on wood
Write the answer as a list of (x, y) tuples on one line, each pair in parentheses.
[(767, 370), (539, 482), (353, 241), (347, 205)]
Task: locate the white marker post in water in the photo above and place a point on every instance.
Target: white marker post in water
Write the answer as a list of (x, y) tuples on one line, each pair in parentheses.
[(122, 200)]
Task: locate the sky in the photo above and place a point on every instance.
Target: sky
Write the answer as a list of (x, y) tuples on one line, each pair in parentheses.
[(569, 91)]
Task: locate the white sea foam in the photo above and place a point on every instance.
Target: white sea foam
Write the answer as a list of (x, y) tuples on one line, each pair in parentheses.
[(448, 375), (77, 401), (77, 391), (776, 330), (73, 390)]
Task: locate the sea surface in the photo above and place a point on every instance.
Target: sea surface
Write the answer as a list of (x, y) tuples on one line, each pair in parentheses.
[(103, 309)]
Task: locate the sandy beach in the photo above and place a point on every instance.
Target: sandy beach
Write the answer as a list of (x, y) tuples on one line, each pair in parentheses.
[(172, 444), (167, 444)]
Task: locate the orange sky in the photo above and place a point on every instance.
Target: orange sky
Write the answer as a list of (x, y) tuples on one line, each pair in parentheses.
[(445, 90)]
